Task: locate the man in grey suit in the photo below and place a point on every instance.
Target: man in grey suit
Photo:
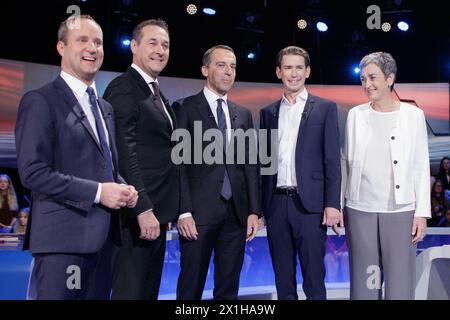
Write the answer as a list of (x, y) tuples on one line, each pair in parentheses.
[(67, 157)]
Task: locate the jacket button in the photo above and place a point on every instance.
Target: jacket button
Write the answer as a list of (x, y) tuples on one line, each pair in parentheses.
[(397, 187), (395, 161), (392, 138)]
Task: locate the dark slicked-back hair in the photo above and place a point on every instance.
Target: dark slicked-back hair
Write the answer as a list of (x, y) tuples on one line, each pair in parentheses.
[(137, 32), (208, 53)]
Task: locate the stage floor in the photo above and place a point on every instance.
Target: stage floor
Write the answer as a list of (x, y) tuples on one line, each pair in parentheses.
[(257, 278)]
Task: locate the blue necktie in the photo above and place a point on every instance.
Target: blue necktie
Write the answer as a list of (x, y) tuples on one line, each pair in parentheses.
[(100, 131), (226, 187)]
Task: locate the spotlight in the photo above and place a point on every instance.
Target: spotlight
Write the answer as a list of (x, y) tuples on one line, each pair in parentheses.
[(321, 26), (403, 26), (191, 9), (251, 55), (209, 11), (302, 24), (125, 42), (386, 27), (356, 70)]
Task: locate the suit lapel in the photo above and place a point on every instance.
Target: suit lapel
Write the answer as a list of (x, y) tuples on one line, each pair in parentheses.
[(145, 87), (72, 102), (203, 108), (109, 122), (306, 112), (233, 114), (275, 112), (140, 81)]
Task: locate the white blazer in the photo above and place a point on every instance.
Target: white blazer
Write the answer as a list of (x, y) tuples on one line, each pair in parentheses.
[(409, 150)]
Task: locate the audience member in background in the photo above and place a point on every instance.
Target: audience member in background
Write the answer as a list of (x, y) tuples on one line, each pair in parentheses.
[(444, 174), (387, 190), (437, 204), (8, 204), (21, 224), (445, 220)]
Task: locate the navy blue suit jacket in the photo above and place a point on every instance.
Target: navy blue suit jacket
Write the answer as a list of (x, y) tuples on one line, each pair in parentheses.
[(60, 161), (317, 155)]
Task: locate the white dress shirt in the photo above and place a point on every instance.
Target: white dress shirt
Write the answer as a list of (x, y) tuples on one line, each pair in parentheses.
[(79, 88), (212, 98), (148, 79), (289, 119)]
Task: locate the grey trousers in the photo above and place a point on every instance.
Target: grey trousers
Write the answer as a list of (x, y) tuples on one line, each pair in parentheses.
[(380, 248)]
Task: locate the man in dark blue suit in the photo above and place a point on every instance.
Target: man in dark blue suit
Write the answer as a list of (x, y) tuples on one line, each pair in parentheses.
[(303, 197), (67, 157)]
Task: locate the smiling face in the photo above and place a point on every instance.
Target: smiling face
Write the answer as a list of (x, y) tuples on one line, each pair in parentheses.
[(151, 54), (293, 72), (82, 51), (376, 86), (221, 71)]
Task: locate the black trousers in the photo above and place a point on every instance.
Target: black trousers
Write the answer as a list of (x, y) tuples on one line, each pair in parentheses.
[(292, 231), (226, 238), (138, 267)]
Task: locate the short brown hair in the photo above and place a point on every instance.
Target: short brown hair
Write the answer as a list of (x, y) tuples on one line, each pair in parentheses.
[(293, 50), (208, 53), (137, 32), (64, 26)]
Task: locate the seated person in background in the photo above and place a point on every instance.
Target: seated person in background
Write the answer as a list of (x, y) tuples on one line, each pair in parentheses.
[(437, 204), (8, 204), (21, 224), (445, 220), (444, 173)]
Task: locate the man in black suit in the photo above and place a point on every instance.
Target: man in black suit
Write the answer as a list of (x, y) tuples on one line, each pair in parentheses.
[(144, 123), (66, 156), (222, 199)]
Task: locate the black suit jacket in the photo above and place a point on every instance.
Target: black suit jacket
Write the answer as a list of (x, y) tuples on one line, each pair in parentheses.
[(61, 162), (144, 146), (203, 182)]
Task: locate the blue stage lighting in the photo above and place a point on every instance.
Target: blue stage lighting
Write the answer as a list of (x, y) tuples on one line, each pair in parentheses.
[(251, 56), (356, 70), (209, 11), (125, 42), (403, 26), (321, 26)]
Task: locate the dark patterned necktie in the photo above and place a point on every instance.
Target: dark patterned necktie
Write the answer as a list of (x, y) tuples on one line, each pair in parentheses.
[(158, 100), (100, 131), (226, 187)]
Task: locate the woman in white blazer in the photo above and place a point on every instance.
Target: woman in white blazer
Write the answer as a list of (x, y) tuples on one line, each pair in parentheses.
[(385, 170)]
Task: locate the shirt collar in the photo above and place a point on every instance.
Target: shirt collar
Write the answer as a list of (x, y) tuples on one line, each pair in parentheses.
[(302, 97), (76, 85), (212, 97), (148, 79)]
